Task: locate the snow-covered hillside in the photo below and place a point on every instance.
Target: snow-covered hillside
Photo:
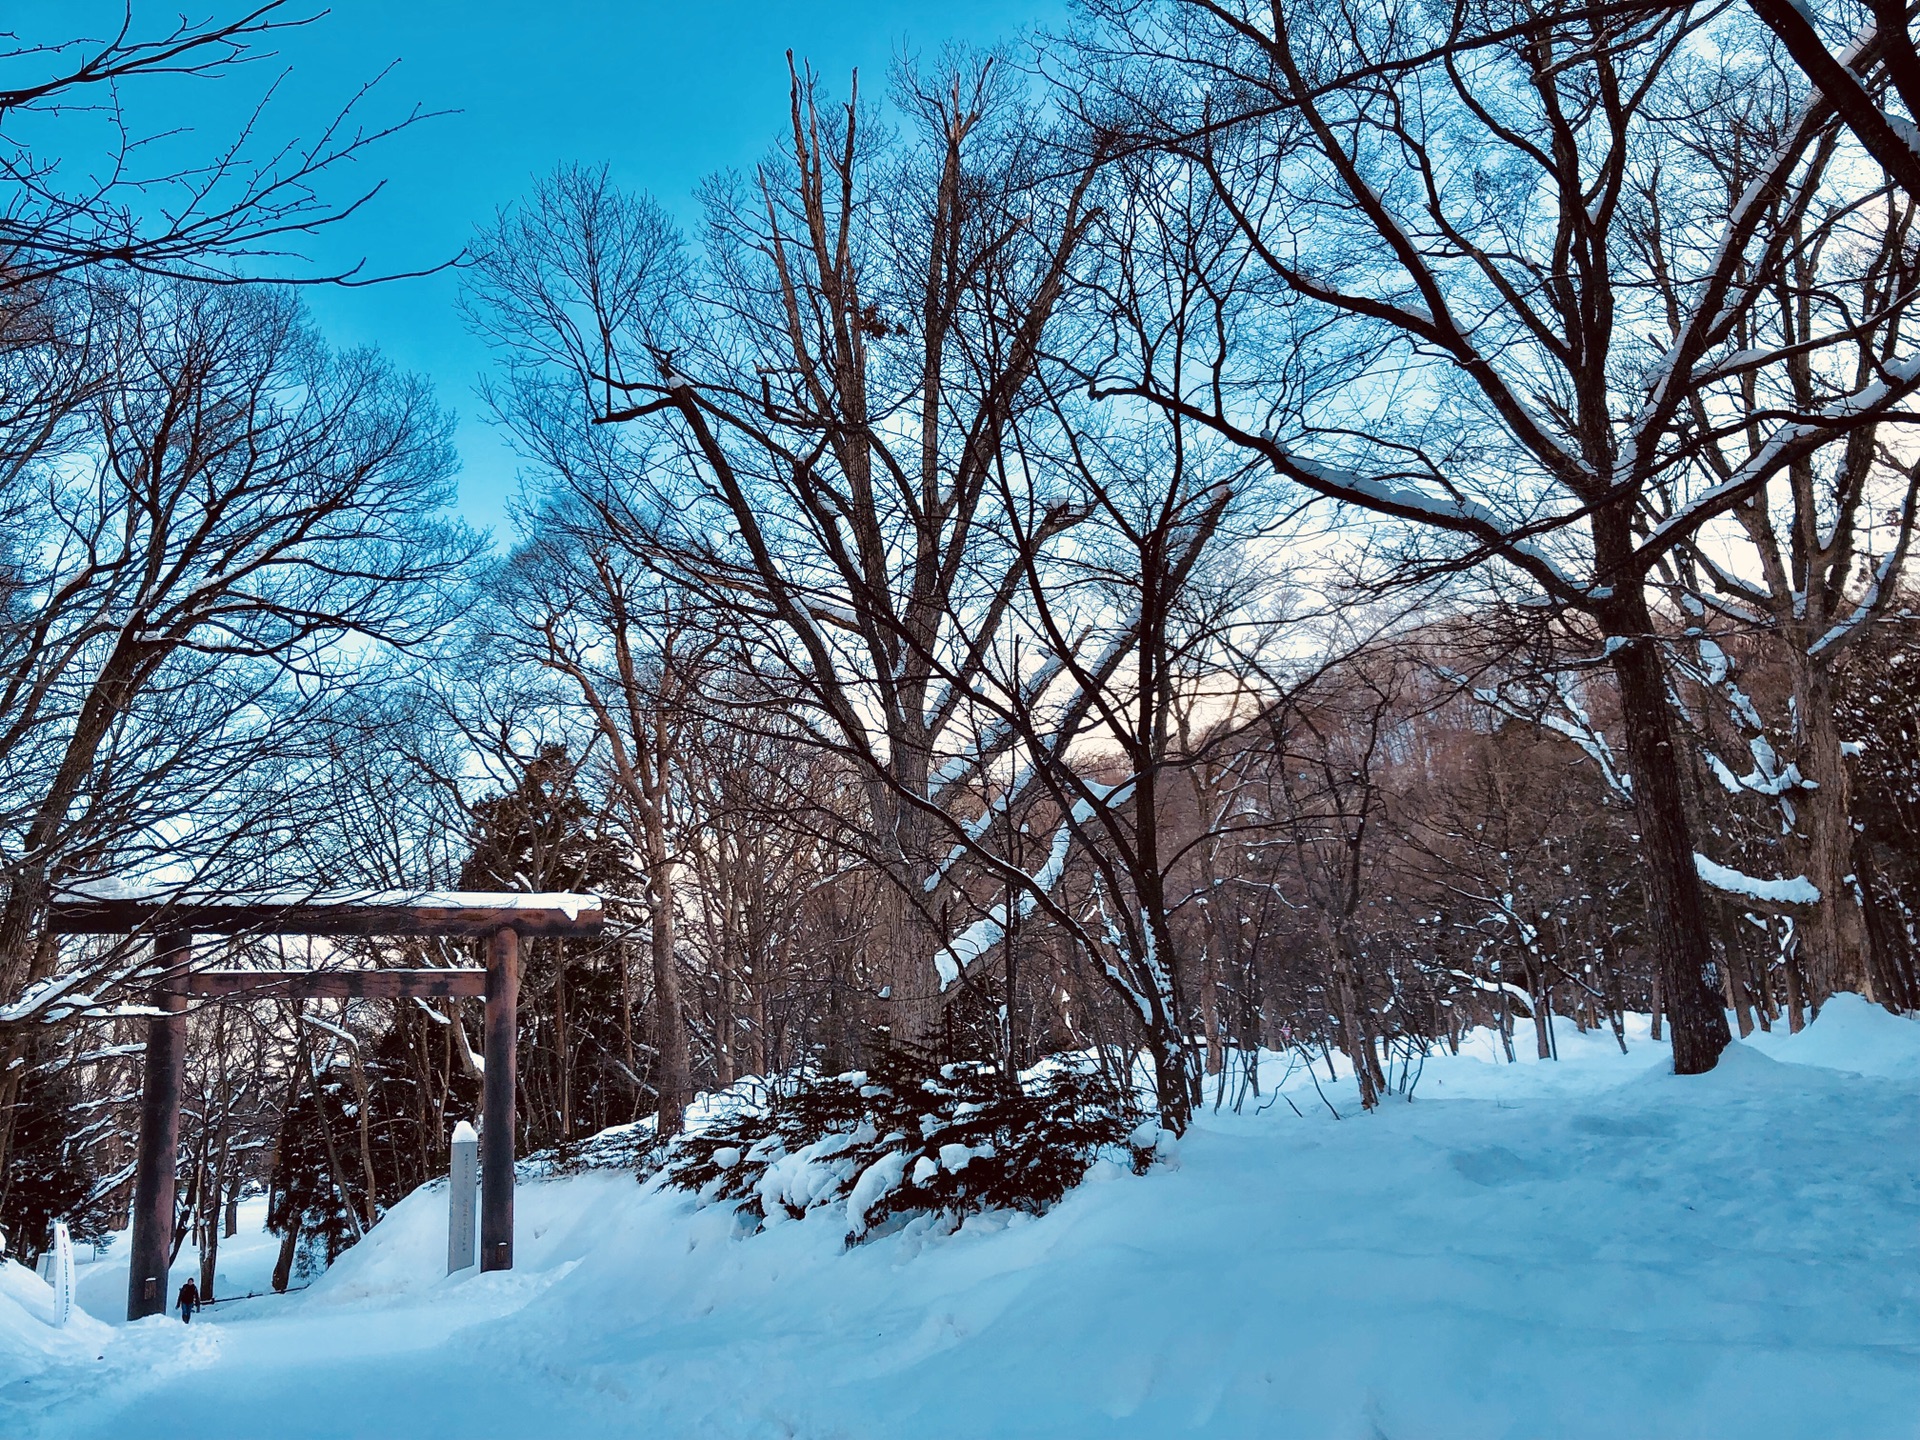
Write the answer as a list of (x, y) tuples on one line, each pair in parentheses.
[(1585, 1248)]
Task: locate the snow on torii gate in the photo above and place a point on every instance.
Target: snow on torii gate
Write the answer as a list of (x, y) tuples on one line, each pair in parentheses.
[(173, 920)]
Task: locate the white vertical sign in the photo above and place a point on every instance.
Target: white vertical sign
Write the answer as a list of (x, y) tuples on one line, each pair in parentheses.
[(62, 1273), (463, 1211)]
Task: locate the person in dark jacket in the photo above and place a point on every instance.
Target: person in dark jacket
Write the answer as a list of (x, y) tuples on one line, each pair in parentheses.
[(188, 1302)]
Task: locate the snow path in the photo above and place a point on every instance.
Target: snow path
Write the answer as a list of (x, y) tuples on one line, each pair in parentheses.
[(1587, 1248)]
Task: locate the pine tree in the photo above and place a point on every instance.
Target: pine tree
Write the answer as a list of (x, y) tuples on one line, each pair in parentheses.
[(578, 1063), (47, 1175)]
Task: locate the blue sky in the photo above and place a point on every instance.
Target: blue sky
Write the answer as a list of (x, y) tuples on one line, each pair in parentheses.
[(664, 93)]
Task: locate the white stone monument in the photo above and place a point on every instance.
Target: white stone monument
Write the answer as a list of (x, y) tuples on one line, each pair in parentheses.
[(62, 1273), (463, 1180)]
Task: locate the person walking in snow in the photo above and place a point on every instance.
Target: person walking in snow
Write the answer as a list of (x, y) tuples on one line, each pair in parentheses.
[(188, 1301)]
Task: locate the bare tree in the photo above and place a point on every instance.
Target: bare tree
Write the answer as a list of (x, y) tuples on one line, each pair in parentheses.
[(575, 603), (248, 202), (1813, 558), (1874, 63), (1461, 235), (811, 446), (247, 509)]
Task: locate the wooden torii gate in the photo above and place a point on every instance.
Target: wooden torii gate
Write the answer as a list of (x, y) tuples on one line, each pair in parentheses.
[(173, 921)]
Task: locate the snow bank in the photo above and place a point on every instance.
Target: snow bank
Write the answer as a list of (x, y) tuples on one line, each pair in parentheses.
[(30, 1338), (1853, 1035), (1592, 1248)]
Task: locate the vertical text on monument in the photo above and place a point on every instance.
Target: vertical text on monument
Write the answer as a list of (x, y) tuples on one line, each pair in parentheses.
[(463, 1180)]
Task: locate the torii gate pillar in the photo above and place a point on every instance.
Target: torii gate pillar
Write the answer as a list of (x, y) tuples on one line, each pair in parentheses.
[(497, 1108), (153, 1176)]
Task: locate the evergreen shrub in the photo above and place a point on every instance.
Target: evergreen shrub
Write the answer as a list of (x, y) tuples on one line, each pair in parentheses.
[(909, 1137)]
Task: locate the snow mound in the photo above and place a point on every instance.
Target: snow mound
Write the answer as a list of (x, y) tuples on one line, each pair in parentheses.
[(557, 1224), (30, 1341), (1851, 1034)]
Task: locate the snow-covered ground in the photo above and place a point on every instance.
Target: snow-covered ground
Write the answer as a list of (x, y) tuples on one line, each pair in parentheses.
[(1592, 1247)]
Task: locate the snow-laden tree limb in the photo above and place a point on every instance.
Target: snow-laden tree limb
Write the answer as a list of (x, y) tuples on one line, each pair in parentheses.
[(1777, 896)]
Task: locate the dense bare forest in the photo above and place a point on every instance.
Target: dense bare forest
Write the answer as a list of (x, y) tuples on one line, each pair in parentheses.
[(1225, 537)]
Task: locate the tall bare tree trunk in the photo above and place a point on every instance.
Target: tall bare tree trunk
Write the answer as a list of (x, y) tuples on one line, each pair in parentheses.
[(364, 1113), (628, 1060), (562, 1059), (1355, 1038), (1833, 936), (1677, 920), (911, 1007), (723, 1026), (1892, 956), (1796, 990), (289, 1242), (1733, 967), (672, 1076), (210, 1236), (283, 1263), (217, 1189)]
